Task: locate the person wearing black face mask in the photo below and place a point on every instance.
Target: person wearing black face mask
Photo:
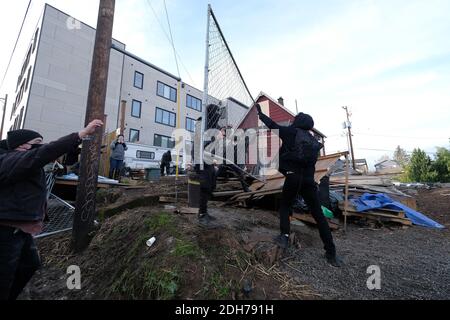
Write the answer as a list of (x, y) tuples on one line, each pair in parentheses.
[(23, 201)]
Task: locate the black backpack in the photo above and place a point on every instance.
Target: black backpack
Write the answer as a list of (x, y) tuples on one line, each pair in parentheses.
[(305, 149)]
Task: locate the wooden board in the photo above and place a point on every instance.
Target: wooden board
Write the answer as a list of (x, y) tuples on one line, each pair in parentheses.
[(165, 199), (379, 217), (381, 212), (226, 193), (99, 184), (309, 219), (186, 210)]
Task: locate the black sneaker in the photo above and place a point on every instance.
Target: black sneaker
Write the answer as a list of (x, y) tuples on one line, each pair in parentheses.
[(282, 241), (206, 216), (334, 260), (206, 220)]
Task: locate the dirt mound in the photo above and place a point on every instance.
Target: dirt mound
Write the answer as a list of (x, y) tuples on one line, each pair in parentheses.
[(187, 261), (238, 260), (435, 203)]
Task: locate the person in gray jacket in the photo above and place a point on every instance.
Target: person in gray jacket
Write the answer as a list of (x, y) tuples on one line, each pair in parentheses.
[(118, 148)]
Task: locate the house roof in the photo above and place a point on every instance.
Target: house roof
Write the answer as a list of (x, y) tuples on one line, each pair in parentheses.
[(388, 160), (263, 94)]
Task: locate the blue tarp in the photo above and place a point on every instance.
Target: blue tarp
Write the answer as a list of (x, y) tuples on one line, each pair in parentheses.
[(375, 201)]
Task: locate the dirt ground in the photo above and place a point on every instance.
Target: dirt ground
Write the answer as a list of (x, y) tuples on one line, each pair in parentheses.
[(238, 260)]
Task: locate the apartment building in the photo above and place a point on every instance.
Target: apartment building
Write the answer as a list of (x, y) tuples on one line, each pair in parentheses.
[(52, 87)]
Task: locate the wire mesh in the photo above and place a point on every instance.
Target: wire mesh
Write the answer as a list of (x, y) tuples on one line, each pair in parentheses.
[(59, 212), (60, 217), (224, 78)]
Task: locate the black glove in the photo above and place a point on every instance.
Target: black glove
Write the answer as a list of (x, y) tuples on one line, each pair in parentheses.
[(258, 108)]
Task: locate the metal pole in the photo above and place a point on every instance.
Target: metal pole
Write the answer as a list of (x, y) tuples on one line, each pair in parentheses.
[(346, 192), (205, 91), (350, 137), (90, 154), (178, 126), (3, 116)]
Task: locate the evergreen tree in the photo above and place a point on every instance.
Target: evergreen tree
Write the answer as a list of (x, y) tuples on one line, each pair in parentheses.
[(401, 156), (442, 165), (420, 167)]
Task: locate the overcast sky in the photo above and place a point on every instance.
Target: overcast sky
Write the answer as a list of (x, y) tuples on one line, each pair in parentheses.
[(388, 61)]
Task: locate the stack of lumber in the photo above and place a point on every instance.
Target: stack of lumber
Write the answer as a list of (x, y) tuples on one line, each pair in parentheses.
[(361, 180), (274, 184), (380, 215)]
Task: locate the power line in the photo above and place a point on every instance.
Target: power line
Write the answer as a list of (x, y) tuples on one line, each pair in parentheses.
[(386, 150), (171, 38), (389, 136), (15, 45), (168, 38)]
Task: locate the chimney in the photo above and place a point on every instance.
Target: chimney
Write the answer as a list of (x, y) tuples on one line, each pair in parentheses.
[(281, 101)]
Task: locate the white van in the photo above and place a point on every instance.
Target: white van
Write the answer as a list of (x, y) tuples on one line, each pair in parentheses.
[(140, 156)]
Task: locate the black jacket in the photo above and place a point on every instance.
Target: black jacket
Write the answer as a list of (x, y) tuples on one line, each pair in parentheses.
[(166, 158), (287, 135), (22, 179)]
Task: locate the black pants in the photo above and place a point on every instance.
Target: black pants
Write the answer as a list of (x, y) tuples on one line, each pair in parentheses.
[(207, 185), (19, 260), (303, 182), (165, 166)]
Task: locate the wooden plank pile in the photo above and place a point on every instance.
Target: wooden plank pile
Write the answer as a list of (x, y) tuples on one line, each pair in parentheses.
[(273, 185), (380, 215)]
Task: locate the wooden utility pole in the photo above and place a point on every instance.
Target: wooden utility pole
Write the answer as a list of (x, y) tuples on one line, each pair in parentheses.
[(95, 109), (349, 128), (123, 107)]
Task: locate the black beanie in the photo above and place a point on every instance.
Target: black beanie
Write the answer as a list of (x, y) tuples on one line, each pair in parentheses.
[(18, 137), (303, 121)]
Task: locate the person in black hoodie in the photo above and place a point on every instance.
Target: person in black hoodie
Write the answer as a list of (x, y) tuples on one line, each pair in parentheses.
[(166, 159), (3, 146), (299, 179), (23, 199)]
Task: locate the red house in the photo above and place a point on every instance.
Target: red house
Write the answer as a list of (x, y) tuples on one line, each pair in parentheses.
[(278, 113)]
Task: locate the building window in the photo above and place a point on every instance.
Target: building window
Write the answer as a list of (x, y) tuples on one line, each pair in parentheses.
[(145, 155), (19, 124), (165, 117), (35, 39), (136, 108), (163, 141), (193, 103), (165, 91), (190, 124), (28, 79), (138, 80), (134, 135)]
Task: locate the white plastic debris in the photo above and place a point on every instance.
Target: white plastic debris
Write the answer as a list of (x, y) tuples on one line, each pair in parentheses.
[(151, 241)]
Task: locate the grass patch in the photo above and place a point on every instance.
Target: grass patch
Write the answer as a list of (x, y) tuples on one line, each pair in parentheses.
[(161, 222), (184, 248), (161, 284), (217, 287)]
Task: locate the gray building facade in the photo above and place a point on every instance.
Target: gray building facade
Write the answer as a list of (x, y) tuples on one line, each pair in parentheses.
[(53, 84)]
